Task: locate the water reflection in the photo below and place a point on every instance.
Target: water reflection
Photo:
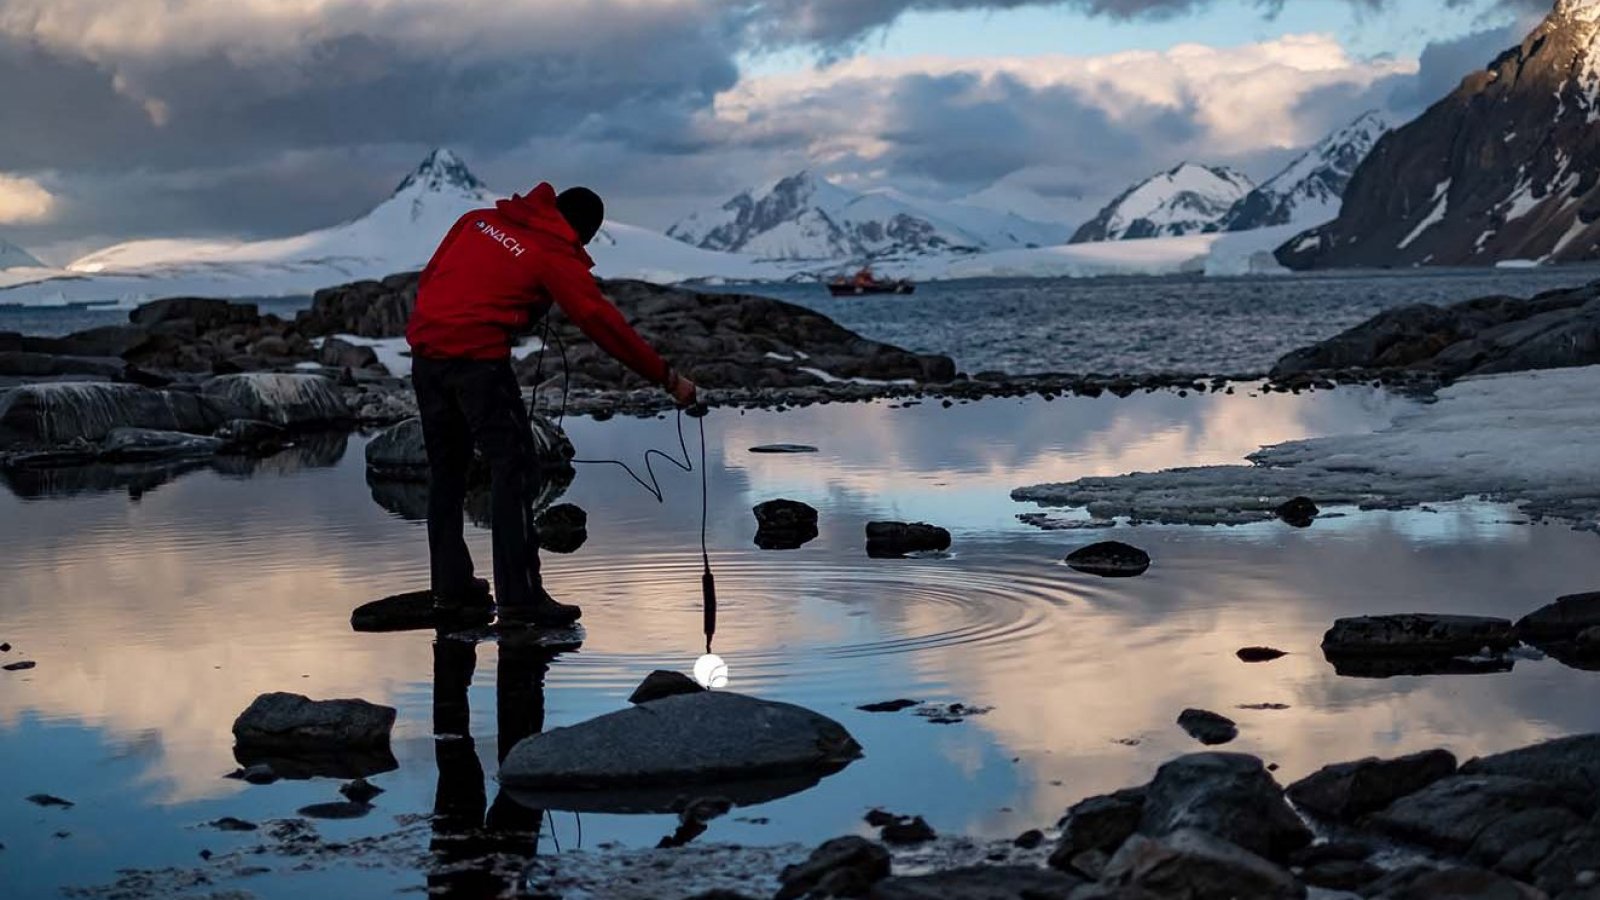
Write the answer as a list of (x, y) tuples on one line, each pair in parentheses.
[(155, 623)]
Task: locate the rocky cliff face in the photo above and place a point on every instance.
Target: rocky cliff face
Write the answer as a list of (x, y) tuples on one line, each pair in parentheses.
[(1504, 168), (1309, 190), (1185, 200)]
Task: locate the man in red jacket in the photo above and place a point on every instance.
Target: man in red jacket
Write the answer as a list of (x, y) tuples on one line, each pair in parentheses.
[(496, 272)]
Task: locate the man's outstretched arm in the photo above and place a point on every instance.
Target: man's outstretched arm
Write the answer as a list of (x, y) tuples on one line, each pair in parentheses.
[(573, 288)]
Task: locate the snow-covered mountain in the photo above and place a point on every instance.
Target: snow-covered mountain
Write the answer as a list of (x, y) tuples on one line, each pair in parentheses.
[(1310, 190), (805, 217), (398, 235), (1185, 200), (14, 257)]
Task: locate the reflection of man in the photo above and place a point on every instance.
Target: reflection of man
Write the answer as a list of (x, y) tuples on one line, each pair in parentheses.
[(478, 847)]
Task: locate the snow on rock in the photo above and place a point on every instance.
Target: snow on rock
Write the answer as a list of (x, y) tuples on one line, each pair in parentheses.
[(1185, 200), (1310, 190), (1523, 438), (290, 399), (57, 413), (805, 217)]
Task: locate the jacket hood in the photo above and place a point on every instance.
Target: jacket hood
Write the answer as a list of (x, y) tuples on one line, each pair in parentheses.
[(537, 210)]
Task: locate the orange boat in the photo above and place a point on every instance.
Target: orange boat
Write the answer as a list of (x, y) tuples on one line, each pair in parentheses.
[(864, 282)]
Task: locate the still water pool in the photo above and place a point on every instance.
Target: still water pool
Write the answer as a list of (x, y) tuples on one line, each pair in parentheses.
[(157, 605)]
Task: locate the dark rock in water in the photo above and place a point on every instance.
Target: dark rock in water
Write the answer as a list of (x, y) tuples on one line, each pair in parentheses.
[(1229, 795), (853, 860), (335, 810), (892, 540), (1110, 559), (139, 444), (1428, 883), (229, 823), (1570, 762), (978, 883), (563, 528), (907, 831), (705, 737), (888, 706), (664, 683), (50, 415), (1098, 823), (19, 666), (1417, 635), (784, 524), (1260, 654), (784, 448), (360, 791), (251, 435), (290, 400), (878, 818), (1565, 618), (1299, 512), (1208, 728), (414, 611), (48, 800), (1348, 791), (1194, 864), (260, 773), (1416, 666), (1486, 815), (284, 721), (1029, 840)]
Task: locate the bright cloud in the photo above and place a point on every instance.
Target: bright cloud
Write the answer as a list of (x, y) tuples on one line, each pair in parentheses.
[(23, 200)]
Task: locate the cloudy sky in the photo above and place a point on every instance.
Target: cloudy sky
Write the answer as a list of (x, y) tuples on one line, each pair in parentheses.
[(156, 118)]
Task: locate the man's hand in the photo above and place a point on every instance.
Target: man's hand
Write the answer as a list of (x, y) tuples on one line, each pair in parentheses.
[(682, 390)]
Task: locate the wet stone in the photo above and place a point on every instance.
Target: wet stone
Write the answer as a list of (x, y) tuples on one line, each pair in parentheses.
[(1194, 864), (664, 683), (907, 831), (1110, 559), (260, 773), (888, 706), (1454, 814), (1208, 728), (1260, 654), (853, 858), (1347, 791), (1029, 840), (1299, 512), (338, 809), (893, 540), (50, 800), (230, 823), (563, 528), (1229, 795), (784, 524), (19, 666), (291, 722), (1570, 762), (1098, 823), (1417, 634), (360, 790)]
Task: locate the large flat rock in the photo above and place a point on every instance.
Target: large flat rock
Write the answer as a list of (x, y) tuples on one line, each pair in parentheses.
[(281, 398), (48, 415), (708, 737), (1417, 634), (1566, 618)]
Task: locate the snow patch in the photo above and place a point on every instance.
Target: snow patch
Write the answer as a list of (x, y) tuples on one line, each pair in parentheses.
[(1441, 206)]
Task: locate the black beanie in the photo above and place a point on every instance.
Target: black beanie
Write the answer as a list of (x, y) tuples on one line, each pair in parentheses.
[(584, 211)]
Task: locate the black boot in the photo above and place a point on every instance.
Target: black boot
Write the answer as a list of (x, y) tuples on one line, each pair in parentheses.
[(544, 612), (474, 604)]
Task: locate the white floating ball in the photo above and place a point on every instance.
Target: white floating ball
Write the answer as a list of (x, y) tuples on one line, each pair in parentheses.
[(711, 672)]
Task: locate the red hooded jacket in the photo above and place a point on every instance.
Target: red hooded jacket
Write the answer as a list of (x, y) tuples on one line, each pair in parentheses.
[(499, 270)]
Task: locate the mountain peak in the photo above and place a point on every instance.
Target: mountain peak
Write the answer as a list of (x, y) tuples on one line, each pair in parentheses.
[(14, 257), (442, 170)]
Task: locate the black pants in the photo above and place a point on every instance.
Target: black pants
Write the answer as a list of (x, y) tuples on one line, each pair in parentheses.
[(466, 403)]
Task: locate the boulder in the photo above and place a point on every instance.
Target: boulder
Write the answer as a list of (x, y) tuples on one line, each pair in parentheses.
[(664, 683), (1098, 823), (1571, 762), (907, 831), (19, 364), (364, 308), (1229, 795), (291, 722), (1109, 559), (1259, 654), (1207, 727), (139, 444), (206, 314), (290, 400), (1348, 791), (784, 524), (1417, 634), (705, 737), (1485, 816), (1299, 512), (1457, 883), (563, 528), (978, 883), (845, 861), (398, 453), (1195, 865), (48, 415), (341, 354), (892, 540), (1564, 619)]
